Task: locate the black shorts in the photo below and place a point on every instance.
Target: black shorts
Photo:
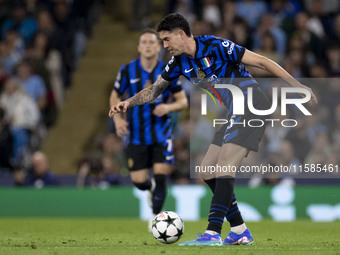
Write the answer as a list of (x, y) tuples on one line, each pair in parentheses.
[(241, 132), (144, 156)]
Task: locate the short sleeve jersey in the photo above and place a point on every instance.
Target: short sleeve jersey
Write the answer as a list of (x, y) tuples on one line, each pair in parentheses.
[(215, 59), (145, 128)]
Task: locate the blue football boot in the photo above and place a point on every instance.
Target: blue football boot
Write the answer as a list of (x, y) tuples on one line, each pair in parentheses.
[(205, 240), (243, 239)]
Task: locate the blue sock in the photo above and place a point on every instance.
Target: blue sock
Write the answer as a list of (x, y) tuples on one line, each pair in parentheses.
[(159, 194), (234, 215), (220, 202)]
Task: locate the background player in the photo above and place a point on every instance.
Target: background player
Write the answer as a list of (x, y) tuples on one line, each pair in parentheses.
[(212, 58), (148, 127)]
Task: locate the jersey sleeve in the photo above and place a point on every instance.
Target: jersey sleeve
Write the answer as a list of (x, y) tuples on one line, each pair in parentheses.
[(122, 81), (231, 51), (171, 70), (176, 86)]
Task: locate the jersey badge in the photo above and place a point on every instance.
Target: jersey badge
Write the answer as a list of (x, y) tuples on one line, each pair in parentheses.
[(207, 62), (200, 73)]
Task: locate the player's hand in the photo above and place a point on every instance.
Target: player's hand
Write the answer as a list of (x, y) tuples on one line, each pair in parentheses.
[(313, 99), (120, 107), (121, 127), (161, 110)]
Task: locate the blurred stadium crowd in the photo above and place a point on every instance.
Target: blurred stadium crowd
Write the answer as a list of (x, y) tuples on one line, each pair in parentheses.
[(41, 42), (302, 36)]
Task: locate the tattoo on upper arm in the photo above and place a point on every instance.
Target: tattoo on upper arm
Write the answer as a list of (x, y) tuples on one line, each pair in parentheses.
[(149, 94)]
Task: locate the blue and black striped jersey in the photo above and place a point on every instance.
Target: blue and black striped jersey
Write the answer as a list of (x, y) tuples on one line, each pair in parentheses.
[(215, 59), (145, 128)]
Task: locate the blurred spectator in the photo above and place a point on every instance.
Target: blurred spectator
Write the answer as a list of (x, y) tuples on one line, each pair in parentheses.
[(33, 7), (86, 13), (103, 168), (320, 150), (331, 97), (316, 123), (317, 71), (53, 54), (26, 27), (311, 41), (267, 49), (286, 157), (285, 9), (80, 14), (275, 136), (186, 8), (112, 156), (15, 43), (141, 14), (251, 11), (40, 175), (328, 6), (63, 39), (5, 10), (296, 42), (295, 63), (240, 33), (333, 59), (181, 173), (212, 13), (93, 174), (47, 64), (201, 27), (266, 25), (32, 84), (299, 140), (23, 116), (6, 143), (191, 9), (46, 24), (229, 14), (335, 34), (3, 76), (11, 51), (317, 23), (7, 60)]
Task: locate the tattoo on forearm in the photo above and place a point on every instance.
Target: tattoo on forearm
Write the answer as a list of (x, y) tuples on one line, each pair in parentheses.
[(149, 94)]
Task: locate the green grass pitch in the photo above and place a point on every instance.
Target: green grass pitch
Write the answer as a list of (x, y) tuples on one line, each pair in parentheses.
[(130, 236)]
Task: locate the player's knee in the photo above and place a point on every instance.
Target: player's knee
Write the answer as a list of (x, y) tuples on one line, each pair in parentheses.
[(142, 185)]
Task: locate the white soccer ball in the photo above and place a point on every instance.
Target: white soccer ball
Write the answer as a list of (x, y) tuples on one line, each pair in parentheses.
[(167, 227)]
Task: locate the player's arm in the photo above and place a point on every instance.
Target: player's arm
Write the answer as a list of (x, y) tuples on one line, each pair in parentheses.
[(120, 123), (256, 60), (180, 103), (143, 97)]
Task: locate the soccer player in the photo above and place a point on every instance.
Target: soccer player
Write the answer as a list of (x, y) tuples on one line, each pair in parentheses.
[(212, 58), (147, 127)]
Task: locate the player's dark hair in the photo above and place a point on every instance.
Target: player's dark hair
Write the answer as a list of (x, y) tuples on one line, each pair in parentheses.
[(151, 31), (174, 21)]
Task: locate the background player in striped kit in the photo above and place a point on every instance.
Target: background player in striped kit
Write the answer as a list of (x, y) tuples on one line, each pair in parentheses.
[(213, 58), (148, 127)]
